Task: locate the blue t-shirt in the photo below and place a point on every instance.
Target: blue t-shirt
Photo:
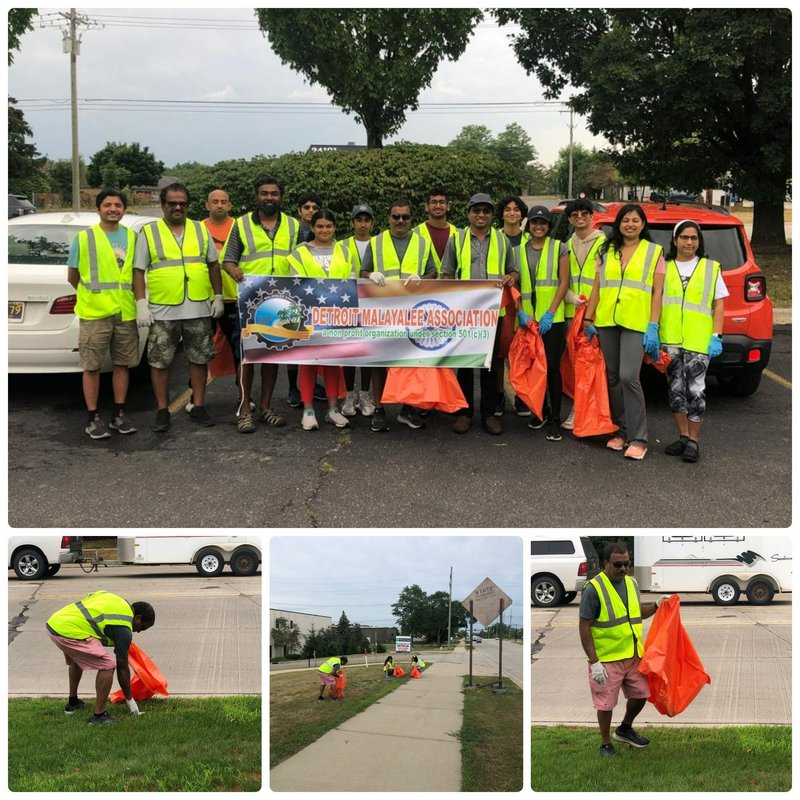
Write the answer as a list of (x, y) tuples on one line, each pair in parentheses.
[(118, 240)]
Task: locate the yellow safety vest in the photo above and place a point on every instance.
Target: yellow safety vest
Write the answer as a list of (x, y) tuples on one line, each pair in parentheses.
[(88, 617), (423, 231), (177, 271), (384, 255), (545, 282), (327, 667), (687, 316), (104, 289), (581, 276), (303, 263), (614, 630), (262, 255), (351, 252), (625, 298), (495, 258)]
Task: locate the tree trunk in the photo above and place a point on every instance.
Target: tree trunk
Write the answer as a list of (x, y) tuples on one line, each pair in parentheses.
[(374, 138), (768, 226)]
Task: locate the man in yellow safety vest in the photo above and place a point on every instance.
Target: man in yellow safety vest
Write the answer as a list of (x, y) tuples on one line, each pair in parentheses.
[(327, 673), (81, 630), (610, 626)]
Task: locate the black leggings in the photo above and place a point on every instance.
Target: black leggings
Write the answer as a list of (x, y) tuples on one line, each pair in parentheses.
[(554, 348)]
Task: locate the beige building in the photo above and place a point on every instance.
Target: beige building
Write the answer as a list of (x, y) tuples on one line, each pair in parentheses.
[(296, 620)]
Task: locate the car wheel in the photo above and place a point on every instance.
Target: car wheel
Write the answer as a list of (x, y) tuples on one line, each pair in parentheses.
[(29, 564), (760, 592), (52, 569), (743, 384), (546, 591), (244, 562), (209, 563), (568, 597), (726, 593)]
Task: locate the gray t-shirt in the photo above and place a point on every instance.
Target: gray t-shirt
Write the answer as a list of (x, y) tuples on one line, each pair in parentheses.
[(479, 252), (400, 246), (590, 602)]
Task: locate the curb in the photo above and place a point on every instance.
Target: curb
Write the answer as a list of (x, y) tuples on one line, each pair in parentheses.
[(782, 316)]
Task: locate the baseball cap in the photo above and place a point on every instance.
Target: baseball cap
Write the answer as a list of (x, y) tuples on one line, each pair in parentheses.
[(362, 209), (539, 212), (480, 199)]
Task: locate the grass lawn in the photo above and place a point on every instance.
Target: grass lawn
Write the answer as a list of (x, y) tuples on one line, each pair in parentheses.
[(778, 269), (178, 745), (733, 759), (297, 718), (491, 740)]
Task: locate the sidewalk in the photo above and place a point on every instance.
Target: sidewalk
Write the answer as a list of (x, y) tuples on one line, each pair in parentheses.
[(407, 741)]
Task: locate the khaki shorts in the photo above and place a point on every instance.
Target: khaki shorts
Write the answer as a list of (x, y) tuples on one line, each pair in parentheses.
[(96, 336), (166, 335)]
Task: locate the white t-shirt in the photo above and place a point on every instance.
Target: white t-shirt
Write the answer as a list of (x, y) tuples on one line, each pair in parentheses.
[(685, 270)]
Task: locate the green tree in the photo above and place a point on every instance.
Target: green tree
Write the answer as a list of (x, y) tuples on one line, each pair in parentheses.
[(373, 62), (59, 178), (129, 163), (593, 172), (514, 147), (412, 611), (25, 164), (689, 93), (439, 610), (285, 634), (473, 139), (20, 21), (312, 644)]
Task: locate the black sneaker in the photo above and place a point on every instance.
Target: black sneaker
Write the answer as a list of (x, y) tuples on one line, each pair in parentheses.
[(607, 750), (500, 405), (121, 425), (103, 719), (677, 447), (379, 423), (409, 416), (536, 423), (294, 398), (72, 706), (554, 432), (161, 424), (96, 429), (200, 415), (631, 737), (520, 409), (319, 392), (691, 453)]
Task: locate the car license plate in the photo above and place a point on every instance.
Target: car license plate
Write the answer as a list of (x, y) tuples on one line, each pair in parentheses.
[(16, 310)]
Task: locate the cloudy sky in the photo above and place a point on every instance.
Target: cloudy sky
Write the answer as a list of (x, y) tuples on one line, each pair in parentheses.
[(364, 575), (175, 79)]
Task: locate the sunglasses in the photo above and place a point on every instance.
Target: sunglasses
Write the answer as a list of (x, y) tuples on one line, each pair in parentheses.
[(688, 238), (177, 203), (621, 564), (401, 217)]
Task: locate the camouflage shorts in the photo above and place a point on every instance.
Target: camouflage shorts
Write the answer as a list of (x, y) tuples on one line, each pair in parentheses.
[(166, 335), (686, 376)]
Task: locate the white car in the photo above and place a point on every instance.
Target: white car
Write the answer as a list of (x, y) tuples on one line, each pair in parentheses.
[(560, 566), (42, 326), (36, 557)]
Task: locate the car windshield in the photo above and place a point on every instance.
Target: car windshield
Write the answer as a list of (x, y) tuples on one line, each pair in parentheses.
[(723, 242), (40, 244)]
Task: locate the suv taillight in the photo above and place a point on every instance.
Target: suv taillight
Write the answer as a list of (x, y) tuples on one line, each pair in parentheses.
[(64, 305), (65, 542), (582, 569), (755, 288)]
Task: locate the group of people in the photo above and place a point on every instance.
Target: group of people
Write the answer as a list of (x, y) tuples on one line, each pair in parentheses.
[(180, 276)]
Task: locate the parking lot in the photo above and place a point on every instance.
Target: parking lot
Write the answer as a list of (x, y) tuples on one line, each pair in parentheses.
[(745, 649), (288, 478), (206, 639)]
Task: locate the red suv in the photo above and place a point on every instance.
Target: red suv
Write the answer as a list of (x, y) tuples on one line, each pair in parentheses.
[(747, 332)]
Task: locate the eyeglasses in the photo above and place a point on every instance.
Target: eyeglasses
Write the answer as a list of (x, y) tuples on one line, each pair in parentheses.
[(688, 238), (481, 210), (621, 564), (401, 217), (437, 202), (580, 214), (177, 203), (310, 207)]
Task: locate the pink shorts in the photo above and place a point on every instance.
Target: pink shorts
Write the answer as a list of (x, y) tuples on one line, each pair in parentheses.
[(326, 679), (623, 674), (86, 653)]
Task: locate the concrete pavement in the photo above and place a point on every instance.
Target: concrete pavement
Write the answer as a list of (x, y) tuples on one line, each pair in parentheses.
[(206, 640), (745, 649), (406, 741)]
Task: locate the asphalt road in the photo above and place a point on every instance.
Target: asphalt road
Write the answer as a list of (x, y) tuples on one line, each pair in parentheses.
[(745, 649), (206, 639), (288, 478)]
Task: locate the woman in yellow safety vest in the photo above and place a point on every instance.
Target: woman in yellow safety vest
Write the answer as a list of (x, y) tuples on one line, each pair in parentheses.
[(623, 311), (692, 314), (322, 257)]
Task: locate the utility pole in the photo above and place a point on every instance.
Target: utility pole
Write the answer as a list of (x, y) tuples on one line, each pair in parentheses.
[(71, 43), (571, 128), (450, 607)]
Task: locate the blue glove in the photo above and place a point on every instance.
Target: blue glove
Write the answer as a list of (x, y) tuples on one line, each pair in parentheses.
[(650, 341), (590, 333), (715, 346), (524, 318), (546, 322)]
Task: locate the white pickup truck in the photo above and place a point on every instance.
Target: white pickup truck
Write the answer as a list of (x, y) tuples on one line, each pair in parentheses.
[(36, 557)]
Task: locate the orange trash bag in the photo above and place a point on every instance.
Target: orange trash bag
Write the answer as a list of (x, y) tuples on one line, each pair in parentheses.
[(415, 673), (674, 670), (527, 367), (663, 360), (568, 357), (424, 387), (341, 682), (223, 363), (399, 672), (507, 322), (592, 411), (146, 682)]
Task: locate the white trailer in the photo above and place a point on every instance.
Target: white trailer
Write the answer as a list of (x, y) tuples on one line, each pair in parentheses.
[(209, 554), (724, 565)]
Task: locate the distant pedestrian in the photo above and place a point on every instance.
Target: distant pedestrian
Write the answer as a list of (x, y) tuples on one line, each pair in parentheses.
[(388, 666), (327, 673)]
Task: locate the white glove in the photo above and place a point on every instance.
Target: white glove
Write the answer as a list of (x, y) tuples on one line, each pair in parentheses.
[(378, 278), (134, 708), (412, 278), (217, 306), (662, 598), (144, 317), (599, 673)]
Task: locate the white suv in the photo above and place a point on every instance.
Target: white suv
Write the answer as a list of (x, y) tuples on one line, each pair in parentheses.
[(560, 565), (36, 557)]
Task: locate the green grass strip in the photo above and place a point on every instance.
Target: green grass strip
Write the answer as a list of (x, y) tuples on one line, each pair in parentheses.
[(753, 758), (209, 744)]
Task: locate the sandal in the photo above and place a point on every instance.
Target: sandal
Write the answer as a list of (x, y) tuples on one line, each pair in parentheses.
[(271, 418), (616, 443), (691, 454), (245, 424), (636, 451)]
